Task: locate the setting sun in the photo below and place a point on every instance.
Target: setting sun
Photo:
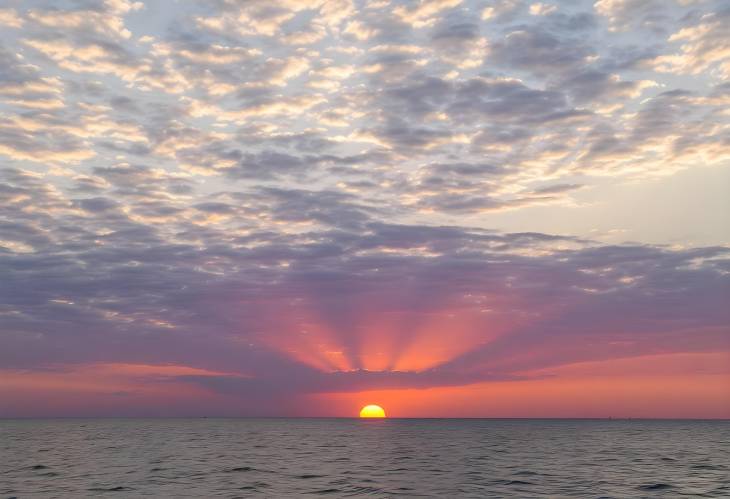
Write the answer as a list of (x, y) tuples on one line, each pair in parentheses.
[(372, 411)]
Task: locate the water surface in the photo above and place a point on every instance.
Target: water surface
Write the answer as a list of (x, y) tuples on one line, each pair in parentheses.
[(77, 458)]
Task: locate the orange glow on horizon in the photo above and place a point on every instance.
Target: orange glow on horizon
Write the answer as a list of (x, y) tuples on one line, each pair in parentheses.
[(682, 385), (685, 385)]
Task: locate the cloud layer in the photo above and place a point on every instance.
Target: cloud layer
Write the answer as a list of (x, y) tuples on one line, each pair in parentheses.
[(291, 198)]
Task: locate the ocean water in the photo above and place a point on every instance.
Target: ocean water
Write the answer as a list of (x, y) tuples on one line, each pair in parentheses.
[(445, 458)]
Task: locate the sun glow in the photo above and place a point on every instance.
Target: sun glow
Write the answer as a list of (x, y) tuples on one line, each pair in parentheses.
[(372, 411)]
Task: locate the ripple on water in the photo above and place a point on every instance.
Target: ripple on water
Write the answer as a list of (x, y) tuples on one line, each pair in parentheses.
[(341, 458), (239, 469), (516, 482), (707, 467), (655, 486)]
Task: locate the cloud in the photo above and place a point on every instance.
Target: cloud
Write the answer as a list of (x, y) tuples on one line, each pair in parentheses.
[(540, 51), (10, 18), (542, 9), (424, 12), (704, 47), (103, 21), (603, 90), (260, 192), (287, 261), (24, 82), (622, 14), (460, 44)]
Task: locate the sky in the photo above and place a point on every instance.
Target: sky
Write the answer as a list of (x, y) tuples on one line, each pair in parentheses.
[(296, 208)]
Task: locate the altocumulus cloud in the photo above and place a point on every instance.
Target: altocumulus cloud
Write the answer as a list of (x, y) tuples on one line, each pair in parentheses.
[(275, 191)]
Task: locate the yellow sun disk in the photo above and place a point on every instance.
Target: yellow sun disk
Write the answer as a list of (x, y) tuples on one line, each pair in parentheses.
[(372, 411)]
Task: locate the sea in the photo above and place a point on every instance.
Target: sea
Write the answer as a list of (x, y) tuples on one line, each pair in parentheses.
[(444, 458)]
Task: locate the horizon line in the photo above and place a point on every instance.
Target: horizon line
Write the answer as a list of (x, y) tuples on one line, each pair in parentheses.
[(608, 418)]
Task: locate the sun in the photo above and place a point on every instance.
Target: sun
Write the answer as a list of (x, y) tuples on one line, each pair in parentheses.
[(372, 411)]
